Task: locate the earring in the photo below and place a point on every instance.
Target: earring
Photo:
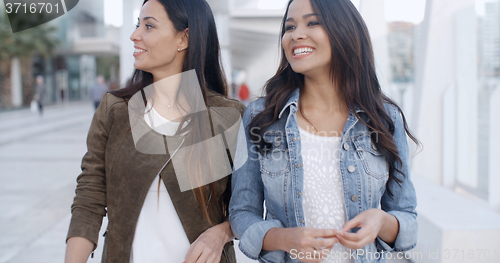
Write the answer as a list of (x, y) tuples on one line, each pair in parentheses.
[(179, 49)]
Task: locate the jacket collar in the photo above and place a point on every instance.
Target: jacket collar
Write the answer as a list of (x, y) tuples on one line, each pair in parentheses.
[(294, 99)]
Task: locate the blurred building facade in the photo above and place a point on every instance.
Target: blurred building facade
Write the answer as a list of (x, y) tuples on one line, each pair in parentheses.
[(85, 38), (489, 84), (401, 38), (71, 71), (489, 27)]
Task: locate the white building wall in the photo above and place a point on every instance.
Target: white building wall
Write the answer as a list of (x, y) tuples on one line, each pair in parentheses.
[(373, 14), (494, 151), (465, 21), (16, 88), (443, 60), (131, 9)]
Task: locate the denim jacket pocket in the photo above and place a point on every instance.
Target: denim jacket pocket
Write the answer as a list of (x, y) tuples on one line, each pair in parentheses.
[(373, 161), (274, 162)]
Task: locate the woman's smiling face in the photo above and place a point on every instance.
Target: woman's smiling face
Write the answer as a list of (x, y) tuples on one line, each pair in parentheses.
[(157, 42), (305, 41)]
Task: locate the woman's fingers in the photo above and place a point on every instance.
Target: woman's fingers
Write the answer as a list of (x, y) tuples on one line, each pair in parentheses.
[(357, 240), (190, 251), (323, 242), (193, 254), (203, 257), (355, 237), (316, 232), (355, 244), (214, 259), (356, 221), (348, 243)]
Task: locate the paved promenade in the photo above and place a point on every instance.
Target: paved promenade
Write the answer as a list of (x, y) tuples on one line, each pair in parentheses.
[(40, 159)]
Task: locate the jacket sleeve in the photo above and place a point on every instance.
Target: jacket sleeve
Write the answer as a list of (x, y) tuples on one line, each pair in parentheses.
[(246, 205), (226, 196), (404, 201), (89, 204)]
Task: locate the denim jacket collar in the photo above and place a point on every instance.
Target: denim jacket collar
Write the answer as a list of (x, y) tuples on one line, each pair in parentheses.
[(351, 120), (294, 99)]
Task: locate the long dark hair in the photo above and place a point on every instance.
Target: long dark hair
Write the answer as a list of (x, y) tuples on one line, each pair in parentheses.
[(352, 71), (203, 55)]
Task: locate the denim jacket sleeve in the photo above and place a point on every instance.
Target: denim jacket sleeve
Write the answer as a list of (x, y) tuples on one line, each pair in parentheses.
[(404, 201), (246, 205)]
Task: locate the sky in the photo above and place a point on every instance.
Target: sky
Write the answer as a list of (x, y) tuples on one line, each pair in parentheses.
[(405, 10), (113, 12), (395, 10)]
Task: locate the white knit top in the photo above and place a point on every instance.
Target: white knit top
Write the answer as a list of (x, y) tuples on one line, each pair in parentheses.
[(323, 194)]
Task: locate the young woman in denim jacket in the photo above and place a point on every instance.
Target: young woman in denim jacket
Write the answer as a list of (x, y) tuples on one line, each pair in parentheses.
[(325, 93)]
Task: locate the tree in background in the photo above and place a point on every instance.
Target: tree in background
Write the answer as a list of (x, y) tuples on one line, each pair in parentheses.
[(22, 46)]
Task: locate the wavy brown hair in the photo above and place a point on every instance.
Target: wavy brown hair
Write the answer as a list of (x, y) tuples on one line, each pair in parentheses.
[(203, 55), (352, 70)]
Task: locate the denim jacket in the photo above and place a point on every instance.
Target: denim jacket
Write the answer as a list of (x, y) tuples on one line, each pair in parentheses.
[(276, 180)]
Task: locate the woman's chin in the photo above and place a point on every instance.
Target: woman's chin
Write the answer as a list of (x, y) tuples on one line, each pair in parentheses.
[(139, 67), (300, 69)]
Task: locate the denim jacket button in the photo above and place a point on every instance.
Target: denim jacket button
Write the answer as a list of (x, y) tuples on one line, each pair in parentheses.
[(351, 168), (299, 193), (346, 146), (355, 198), (302, 221)]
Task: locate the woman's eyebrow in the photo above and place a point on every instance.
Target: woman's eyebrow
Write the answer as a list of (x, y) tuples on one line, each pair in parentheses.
[(146, 18), (304, 17), (309, 15)]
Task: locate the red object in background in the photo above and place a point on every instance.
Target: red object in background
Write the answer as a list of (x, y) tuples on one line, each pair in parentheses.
[(244, 92)]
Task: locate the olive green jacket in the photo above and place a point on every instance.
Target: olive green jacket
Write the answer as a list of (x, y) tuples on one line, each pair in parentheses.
[(116, 177)]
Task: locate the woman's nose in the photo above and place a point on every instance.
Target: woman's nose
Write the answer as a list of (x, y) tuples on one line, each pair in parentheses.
[(298, 34), (136, 36)]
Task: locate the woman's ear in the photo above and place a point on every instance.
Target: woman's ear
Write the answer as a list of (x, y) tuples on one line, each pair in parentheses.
[(183, 39)]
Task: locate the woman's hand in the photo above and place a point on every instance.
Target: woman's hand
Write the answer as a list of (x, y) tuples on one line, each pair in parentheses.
[(372, 223), (207, 248), (307, 244)]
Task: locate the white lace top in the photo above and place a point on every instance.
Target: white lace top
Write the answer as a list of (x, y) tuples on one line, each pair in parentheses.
[(323, 194)]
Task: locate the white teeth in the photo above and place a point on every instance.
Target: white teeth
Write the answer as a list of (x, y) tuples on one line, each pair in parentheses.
[(302, 51), (137, 50)]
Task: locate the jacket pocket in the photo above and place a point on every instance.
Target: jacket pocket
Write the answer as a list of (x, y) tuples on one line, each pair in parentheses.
[(374, 163), (275, 161)]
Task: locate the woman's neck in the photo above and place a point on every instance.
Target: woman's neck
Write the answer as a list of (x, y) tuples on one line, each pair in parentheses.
[(166, 100), (165, 90), (322, 93)]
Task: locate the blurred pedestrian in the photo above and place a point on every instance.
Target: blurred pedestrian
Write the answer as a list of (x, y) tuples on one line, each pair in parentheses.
[(38, 95), (98, 90), (151, 218)]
